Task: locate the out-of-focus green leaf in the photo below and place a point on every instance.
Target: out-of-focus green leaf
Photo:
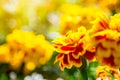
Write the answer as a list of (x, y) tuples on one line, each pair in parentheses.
[(3, 76)]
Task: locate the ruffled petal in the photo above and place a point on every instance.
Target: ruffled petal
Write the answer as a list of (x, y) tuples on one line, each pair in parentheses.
[(109, 61), (79, 49), (67, 48), (100, 37), (66, 62), (89, 55), (61, 66), (59, 57), (75, 62)]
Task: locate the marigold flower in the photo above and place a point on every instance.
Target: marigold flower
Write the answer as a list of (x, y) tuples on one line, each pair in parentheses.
[(71, 47), (107, 73), (106, 39), (26, 47), (74, 16), (107, 47)]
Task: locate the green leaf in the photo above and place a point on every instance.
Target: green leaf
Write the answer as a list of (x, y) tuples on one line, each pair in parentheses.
[(4, 76)]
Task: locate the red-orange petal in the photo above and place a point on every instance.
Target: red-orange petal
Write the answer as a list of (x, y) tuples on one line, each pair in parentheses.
[(109, 61), (110, 40), (59, 57), (65, 59), (101, 46), (100, 37), (76, 54), (80, 47), (104, 24), (118, 42), (66, 48), (61, 66), (75, 62), (89, 55)]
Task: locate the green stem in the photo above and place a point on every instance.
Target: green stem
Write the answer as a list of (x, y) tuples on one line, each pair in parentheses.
[(70, 73), (83, 69)]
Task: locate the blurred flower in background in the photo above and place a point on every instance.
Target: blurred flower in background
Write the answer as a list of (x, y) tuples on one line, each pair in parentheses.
[(78, 34), (26, 47), (74, 16)]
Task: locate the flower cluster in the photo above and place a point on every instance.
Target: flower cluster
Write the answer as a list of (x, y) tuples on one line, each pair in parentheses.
[(25, 47), (101, 42)]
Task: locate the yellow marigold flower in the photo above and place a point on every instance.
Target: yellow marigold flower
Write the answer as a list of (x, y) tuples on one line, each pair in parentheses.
[(38, 52), (19, 38), (71, 47), (74, 16), (4, 54), (27, 47), (107, 73)]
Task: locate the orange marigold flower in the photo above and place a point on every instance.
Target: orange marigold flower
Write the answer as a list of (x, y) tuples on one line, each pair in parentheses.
[(106, 39), (71, 47), (107, 44), (107, 73)]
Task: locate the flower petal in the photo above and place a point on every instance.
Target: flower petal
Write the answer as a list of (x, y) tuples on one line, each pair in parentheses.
[(89, 55), (66, 48), (100, 37), (59, 57), (109, 61), (61, 66), (66, 62), (75, 62)]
